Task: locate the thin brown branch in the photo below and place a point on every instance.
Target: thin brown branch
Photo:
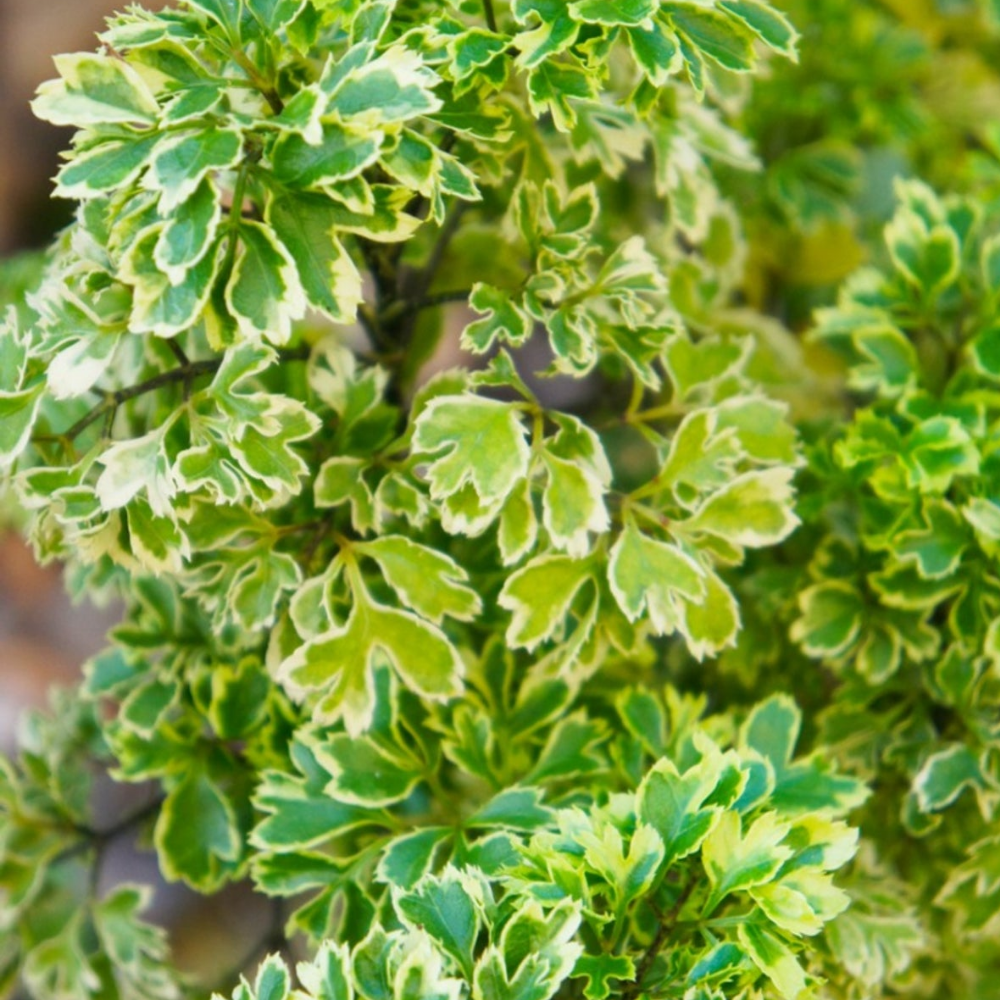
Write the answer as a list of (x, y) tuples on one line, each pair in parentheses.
[(112, 400), (185, 373), (178, 352)]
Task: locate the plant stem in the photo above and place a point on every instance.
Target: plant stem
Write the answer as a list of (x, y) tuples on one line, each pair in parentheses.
[(98, 840), (491, 17), (266, 90), (178, 352), (667, 924), (115, 399), (183, 373)]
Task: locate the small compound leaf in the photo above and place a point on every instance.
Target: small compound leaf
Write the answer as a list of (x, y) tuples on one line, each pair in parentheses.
[(774, 959), (181, 162), (426, 581), (475, 441), (196, 834), (653, 576), (540, 595), (443, 907), (95, 90), (754, 510), (264, 292), (18, 413), (408, 858)]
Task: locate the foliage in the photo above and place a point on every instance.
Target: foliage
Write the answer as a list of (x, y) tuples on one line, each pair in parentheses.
[(651, 653)]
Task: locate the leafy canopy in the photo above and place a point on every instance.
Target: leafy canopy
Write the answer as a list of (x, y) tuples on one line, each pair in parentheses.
[(650, 652)]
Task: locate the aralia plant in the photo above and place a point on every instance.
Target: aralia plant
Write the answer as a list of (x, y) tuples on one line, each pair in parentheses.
[(649, 652)]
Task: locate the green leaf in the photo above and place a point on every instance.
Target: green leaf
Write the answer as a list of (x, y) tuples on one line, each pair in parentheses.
[(674, 804), (985, 352), (554, 88), (540, 596), (475, 50), (443, 907), (891, 364), (258, 590), (599, 970), (395, 87), (572, 504), (802, 902), (298, 812), (338, 664), (188, 234), (936, 548), (408, 858), (274, 14), (365, 772), (196, 834), (773, 958), (832, 616), (103, 167), (655, 49), (306, 225), (762, 428), (95, 90), (180, 163), (273, 981), (718, 965), (772, 729), (339, 155), (712, 623), (654, 577), (240, 698), (754, 510), (328, 976), (506, 322), (735, 860), (630, 875), (768, 24), (269, 456), (18, 413), (264, 292), (135, 466), (518, 530), (937, 452), (989, 261), (614, 12), (808, 785), (474, 441), (703, 456), (137, 950), (713, 35), (158, 306), (552, 30), (512, 809), (927, 258), (945, 775), (876, 947), (147, 703), (570, 750), (340, 481), (538, 946), (425, 581)]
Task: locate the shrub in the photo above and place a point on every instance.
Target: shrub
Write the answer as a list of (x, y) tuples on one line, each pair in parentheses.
[(686, 686)]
